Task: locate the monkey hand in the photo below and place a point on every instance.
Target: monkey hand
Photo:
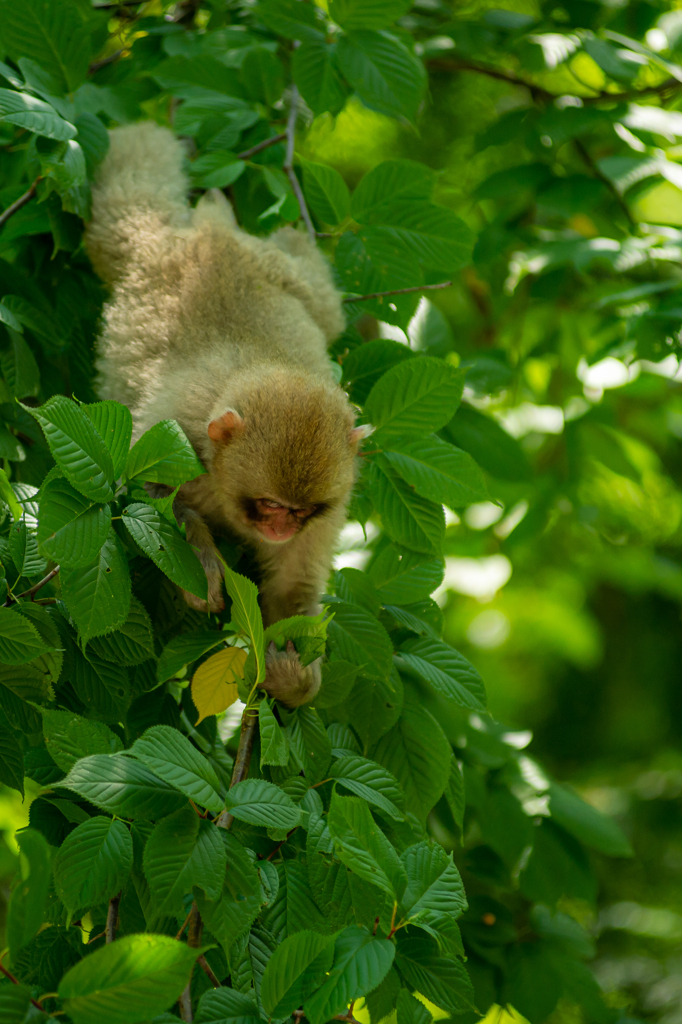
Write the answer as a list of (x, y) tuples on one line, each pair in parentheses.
[(213, 568), (287, 679)]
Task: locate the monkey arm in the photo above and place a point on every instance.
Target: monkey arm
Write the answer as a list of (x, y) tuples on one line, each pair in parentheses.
[(199, 536)]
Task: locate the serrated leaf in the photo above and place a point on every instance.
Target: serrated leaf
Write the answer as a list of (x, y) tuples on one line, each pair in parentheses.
[(173, 758), (361, 962), (374, 705), (291, 19), (434, 886), (214, 684), (11, 760), (20, 641), (448, 672), (361, 845), (370, 782), (19, 367), (364, 365), (26, 111), (102, 686), (442, 980), (246, 615), (437, 237), (166, 547), (223, 1005), (389, 181), (28, 901), (316, 74), (123, 786), (240, 901), (112, 421), (294, 971), (23, 550), (274, 744), (261, 803), (383, 72), (183, 650), (71, 527), (403, 577), (438, 471), (54, 35), (93, 863), (8, 496), (338, 678), (415, 397), (326, 192), (586, 823), (163, 455), (135, 977), (358, 638), (353, 14), (132, 643), (78, 450), (98, 595), (413, 521), (183, 851), (68, 737)]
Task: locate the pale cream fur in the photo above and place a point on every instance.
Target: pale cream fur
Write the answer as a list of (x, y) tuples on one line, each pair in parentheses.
[(204, 318)]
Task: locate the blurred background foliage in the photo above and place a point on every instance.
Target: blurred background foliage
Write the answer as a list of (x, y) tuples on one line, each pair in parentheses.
[(555, 131)]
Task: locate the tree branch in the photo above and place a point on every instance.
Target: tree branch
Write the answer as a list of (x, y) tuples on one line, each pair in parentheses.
[(38, 586), (261, 145), (21, 201), (111, 59), (399, 291), (206, 967), (243, 759), (289, 163), (112, 918), (14, 981), (194, 933), (587, 158)]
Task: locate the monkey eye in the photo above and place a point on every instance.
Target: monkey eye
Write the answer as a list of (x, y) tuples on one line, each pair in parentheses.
[(303, 513), (271, 504)]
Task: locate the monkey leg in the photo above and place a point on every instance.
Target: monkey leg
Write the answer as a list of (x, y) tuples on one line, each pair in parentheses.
[(287, 679)]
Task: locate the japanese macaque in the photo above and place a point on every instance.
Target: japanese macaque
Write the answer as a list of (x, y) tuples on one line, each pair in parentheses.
[(227, 334)]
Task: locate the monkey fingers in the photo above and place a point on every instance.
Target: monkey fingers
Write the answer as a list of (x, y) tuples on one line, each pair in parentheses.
[(287, 679)]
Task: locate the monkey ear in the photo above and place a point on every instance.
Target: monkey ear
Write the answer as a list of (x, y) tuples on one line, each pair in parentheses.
[(226, 427), (358, 434)]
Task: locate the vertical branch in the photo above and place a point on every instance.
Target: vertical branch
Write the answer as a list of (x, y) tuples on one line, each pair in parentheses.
[(112, 918), (194, 933), (289, 163), (243, 759)]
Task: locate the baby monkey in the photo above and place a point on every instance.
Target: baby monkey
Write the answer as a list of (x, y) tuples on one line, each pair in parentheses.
[(227, 334)]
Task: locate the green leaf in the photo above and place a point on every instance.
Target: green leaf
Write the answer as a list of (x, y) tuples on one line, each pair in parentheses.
[(133, 978), (409, 519), (123, 786), (448, 672), (383, 72), (19, 367), (98, 595), (291, 19), (388, 182), (443, 980), (374, 706), (26, 111), (361, 962), (263, 75), (104, 688), (16, 1002), (11, 760), (491, 446), (133, 643), (20, 641), (326, 192), (274, 743), (71, 527), (93, 863), (52, 34), (8, 496), (354, 14), (183, 650), (338, 678), (78, 450), (439, 239), (93, 139), (385, 268), (402, 576), (411, 1010), (417, 752), (166, 547), (294, 971), (586, 823), (216, 170), (8, 318), (68, 737), (434, 886), (113, 422), (183, 851), (246, 615), (358, 638), (371, 782), (261, 803), (364, 365), (415, 397), (23, 550), (361, 845), (173, 758), (438, 471), (224, 1005), (163, 455), (316, 74), (28, 901), (240, 902)]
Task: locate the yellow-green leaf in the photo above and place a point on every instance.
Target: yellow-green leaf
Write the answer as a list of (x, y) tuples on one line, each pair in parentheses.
[(214, 686)]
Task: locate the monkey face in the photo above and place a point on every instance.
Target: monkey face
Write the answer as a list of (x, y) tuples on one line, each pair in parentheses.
[(275, 521)]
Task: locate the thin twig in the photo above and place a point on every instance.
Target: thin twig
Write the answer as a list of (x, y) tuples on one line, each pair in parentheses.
[(21, 201), (242, 761), (289, 163), (184, 925), (97, 64), (15, 982), (112, 918), (399, 291), (605, 181), (205, 966), (38, 586), (194, 932), (261, 146), (95, 938)]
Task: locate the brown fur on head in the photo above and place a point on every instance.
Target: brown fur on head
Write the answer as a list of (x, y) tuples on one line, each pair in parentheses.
[(288, 437)]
